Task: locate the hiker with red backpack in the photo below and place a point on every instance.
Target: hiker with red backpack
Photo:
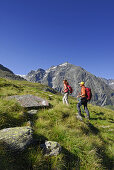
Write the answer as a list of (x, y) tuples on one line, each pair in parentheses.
[(85, 97), (67, 90)]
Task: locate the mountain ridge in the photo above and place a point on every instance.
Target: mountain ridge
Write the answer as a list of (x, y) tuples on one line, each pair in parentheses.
[(7, 73)]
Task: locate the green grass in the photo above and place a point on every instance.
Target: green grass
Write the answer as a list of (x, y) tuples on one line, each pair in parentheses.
[(85, 145), (110, 107)]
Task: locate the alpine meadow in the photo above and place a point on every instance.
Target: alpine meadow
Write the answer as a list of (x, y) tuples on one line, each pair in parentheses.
[(86, 144)]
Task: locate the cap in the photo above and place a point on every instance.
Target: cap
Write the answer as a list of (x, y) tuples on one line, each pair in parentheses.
[(82, 83)]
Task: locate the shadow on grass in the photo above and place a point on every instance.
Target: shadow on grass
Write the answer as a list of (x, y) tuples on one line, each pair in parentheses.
[(93, 129), (101, 113), (71, 161), (13, 160), (111, 120), (39, 139), (65, 115), (89, 129), (106, 161), (10, 121), (100, 118), (19, 160), (23, 160)]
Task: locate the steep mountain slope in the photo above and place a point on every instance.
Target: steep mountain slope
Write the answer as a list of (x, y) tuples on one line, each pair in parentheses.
[(53, 77), (6, 73)]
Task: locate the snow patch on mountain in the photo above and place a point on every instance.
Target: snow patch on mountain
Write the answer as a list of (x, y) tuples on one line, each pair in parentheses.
[(64, 64), (24, 76), (111, 83)]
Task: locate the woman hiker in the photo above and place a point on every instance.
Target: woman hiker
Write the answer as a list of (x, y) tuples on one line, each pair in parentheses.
[(66, 92)]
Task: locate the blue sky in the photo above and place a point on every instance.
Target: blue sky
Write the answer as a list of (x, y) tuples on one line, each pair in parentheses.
[(41, 33)]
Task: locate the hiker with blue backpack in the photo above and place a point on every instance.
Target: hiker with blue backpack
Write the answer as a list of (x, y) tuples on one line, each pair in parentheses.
[(85, 96), (67, 90)]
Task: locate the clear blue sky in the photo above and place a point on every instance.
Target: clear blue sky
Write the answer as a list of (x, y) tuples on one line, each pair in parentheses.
[(41, 33)]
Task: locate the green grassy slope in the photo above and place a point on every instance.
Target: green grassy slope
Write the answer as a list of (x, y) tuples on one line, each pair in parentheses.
[(85, 145)]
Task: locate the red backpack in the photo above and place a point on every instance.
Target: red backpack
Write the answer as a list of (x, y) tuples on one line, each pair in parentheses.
[(70, 90), (88, 93)]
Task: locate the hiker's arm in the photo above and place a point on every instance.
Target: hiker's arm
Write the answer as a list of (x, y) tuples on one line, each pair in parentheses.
[(62, 90), (79, 95), (65, 87)]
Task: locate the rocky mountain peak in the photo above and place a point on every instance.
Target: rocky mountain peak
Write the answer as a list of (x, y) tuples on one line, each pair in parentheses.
[(40, 70), (31, 72)]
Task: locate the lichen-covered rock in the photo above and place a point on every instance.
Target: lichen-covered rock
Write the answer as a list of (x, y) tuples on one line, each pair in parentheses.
[(51, 148), (29, 101), (16, 138)]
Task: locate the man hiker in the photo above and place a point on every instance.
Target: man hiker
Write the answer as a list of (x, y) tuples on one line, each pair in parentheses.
[(83, 101), (66, 92)]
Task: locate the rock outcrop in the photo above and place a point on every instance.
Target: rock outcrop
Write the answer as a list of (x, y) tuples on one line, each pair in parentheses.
[(51, 148), (17, 138), (30, 101)]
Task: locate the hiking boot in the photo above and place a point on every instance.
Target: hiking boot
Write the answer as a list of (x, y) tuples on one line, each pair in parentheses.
[(79, 117)]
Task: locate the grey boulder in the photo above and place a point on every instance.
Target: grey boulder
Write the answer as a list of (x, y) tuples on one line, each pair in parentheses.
[(30, 101), (51, 148), (17, 138)]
